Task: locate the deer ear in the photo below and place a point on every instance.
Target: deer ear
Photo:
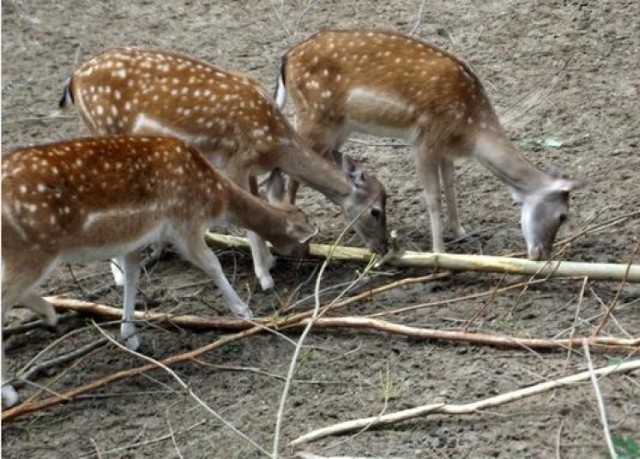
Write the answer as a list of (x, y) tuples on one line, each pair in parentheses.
[(566, 185), (352, 170), (301, 232)]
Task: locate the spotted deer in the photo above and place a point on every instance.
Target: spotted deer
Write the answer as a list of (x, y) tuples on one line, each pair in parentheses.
[(385, 83), (229, 118), (97, 198)]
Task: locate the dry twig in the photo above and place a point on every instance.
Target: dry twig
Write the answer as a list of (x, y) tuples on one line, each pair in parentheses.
[(467, 408), (187, 389), (601, 408)]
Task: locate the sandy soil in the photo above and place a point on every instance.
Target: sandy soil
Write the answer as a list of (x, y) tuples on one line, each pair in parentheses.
[(515, 47)]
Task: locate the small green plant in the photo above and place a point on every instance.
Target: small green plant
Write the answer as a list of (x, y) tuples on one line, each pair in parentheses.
[(306, 357), (231, 348), (391, 388), (626, 447)]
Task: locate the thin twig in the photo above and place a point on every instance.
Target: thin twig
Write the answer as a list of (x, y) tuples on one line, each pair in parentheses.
[(446, 302), (614, 301), (307, 329), (96, 447), (187, 389), (575, 319), (31, 324), (149, 442), (558, 439), (418, 21), (601, 408), (173, 437), (64, 358), (467, 408), (481, 310)]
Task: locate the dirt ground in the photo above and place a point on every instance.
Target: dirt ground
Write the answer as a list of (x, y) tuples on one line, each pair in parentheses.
[(580, 58)]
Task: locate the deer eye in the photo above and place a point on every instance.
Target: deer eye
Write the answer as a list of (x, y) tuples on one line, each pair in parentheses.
[(562, 218), (376, 213)]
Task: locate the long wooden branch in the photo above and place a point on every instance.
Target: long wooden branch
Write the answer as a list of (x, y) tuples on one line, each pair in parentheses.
[(467, 408), (301, 320), (459, 262), (297, 321)]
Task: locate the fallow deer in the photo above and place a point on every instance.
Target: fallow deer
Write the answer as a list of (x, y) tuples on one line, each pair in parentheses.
[(228, 117), (386, 83), (96, 198)]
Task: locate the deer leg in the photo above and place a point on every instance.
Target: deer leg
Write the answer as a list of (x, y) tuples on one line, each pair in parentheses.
[(117, 270), (20, 276), (263, 261), (9, 394), (131, 270), (447, 175), (196, 251), (42, 308), (428, 170)]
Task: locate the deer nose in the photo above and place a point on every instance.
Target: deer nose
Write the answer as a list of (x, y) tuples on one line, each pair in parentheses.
[(380, 247), (300, 251), (538, 253)]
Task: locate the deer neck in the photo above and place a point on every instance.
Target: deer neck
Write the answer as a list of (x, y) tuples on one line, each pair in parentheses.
[(313, 170), (504, 160), (252, 213)]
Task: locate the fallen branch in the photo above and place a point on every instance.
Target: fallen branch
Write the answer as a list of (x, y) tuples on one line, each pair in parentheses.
[(301, 320), (467, 408), (298, 321), (30, 407), (460, 262)]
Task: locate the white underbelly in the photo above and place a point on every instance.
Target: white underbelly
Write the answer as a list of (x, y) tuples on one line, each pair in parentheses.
[(88, 253)]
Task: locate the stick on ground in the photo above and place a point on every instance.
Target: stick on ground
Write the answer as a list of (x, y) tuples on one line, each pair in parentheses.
[(301, 320), (467, 408), (458, 262)]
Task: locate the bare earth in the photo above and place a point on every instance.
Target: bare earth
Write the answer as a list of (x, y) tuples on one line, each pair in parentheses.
[(588, 111)]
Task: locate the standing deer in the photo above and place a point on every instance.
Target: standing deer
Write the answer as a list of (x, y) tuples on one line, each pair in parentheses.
[(389, 84), (92, 199), (229, 118)]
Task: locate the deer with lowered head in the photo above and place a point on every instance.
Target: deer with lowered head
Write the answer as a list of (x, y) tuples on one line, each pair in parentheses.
[(98, 198), (231, 120), (386, 83)]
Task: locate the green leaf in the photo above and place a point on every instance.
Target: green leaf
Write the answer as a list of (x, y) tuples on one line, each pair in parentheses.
[(626, 447)]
